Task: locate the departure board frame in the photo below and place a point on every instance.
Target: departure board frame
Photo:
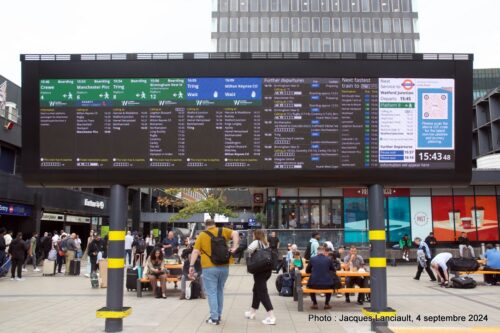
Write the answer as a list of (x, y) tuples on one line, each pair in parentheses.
[(246, 65)]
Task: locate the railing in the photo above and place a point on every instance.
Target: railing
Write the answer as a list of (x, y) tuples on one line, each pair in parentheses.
[(301, 237)]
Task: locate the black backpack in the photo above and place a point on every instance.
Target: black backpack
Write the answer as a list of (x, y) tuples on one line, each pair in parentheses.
[(220, 252), (463, 282), (463, 265), (286, 285), (307, 254), (141, 246)]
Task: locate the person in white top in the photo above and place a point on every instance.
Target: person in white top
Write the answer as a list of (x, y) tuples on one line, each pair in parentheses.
[(55, 238), (129, 239), (260, 293), (440, 267), (8, 239)]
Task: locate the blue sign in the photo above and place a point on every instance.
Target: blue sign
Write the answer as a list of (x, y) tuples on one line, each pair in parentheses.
[(435, 119), (15, 210), (224, 89)]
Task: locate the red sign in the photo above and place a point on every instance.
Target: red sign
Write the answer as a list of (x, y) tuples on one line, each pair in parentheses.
[(388, 192), (258, 198)]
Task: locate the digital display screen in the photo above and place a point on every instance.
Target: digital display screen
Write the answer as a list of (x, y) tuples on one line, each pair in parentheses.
[(247, 123)]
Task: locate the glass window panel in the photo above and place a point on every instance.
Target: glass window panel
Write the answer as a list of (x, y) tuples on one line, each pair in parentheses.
[(336, 24), (233, 45), (275, 24), (285, 5), (396, 6), (335, 5), (264, 44), (215, 22), (326, 213), (264, 5), (224, 5), (386, 25), (367, 45), (244, 45), (295, 44), (215, 5), (295, 5), (243, 5), (325, 5), (357, 45), (315, 214), (254, 5), (421, 217), (285, 24), (254, 45), (223, 24), (388, 45), (367, 25), (304, 212), (464, 209), (485, 216), (325, 24), (355, 220), (295, 24), (356, 24), (285, 45), (396, 25), (346, 5), (254, 24), (316, 45), (399, 218), (275, 44), (264, 24), (213, 45), (405, 5), (347, 45), (306, 24), (407, 26), (243, 24), (346, 24), (408, 46), (314, 5), (376, 26), (223, 45), (337, 214), (415, 25), (327, 45), (306, 44), (444, 218), (375, 5), (377, 45), (398, 46), (233, 24), (337, 45), (316, 24), (355, 5), (304, 5), (234, 5), (386, 6), (365, 5), (275, 5)]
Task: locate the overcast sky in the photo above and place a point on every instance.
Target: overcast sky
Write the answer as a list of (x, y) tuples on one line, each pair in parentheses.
[(101, 26)]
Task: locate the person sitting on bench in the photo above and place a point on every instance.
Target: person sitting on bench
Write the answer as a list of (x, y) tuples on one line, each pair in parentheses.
[(492, 256), (320, 268), (157, 272), (464, 242), (354, 262)]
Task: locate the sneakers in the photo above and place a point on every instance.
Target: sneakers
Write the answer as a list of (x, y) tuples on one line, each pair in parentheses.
[(327, 306), (269, 321), (20, 279), (340, 295), (25, 270), (415, 278), (12, 279), (210, 321), (250, 315), (36, 270), (314, 306)]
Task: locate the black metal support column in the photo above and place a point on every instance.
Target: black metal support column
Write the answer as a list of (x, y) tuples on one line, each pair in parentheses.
[(378, 262)]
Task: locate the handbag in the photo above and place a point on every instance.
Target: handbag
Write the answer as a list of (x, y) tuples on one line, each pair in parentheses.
[(261, 260)]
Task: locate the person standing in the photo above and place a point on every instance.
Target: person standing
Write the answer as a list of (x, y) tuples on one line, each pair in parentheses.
[(242, 248), (432, 242), (140, 247), (8, 239), (47, 245), (464, 242), (70, 252), (31, 253), (215, 264), (78, 243), (274, 244), (129, 239), (60, 252), (93, 250), (312, 247), (426, 259), (169, 244), (16, 251), (260, 293)]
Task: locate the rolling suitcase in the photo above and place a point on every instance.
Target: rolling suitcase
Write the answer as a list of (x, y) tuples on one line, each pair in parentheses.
[(131, 279), (94, 280), (74, 267), (49, 267)]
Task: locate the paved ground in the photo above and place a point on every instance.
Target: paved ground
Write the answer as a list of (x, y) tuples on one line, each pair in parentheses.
[(68, 304)]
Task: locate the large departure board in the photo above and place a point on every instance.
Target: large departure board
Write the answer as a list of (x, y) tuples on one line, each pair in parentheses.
[(245, 128)]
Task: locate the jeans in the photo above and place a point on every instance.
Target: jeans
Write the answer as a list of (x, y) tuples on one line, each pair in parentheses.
[(128, 257), (260, 293), (33, 260), (461, 248), (214, 279), (59, 262)]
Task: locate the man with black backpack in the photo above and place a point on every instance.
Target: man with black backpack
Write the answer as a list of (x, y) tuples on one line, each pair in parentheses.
[(216, 256), (312, 246)]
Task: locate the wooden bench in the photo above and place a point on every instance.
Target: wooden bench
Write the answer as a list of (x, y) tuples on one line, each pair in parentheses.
[(173, 279), (305, 290), (478, 273)]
